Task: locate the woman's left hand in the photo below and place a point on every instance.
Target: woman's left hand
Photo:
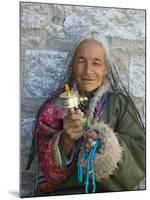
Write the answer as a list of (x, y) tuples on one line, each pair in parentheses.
[(91, 136)]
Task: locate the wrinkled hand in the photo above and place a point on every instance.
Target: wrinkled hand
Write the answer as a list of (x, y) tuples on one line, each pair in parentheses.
[(91, 136), (73, 128), (72, 125)]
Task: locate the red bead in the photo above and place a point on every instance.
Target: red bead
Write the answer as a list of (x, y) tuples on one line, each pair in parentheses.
[(81, 162)]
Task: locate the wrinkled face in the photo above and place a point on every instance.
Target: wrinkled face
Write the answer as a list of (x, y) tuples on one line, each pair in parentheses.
[(89, 66)]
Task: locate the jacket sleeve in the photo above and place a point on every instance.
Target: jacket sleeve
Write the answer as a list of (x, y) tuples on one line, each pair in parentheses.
[(120, 163), (48, 133)]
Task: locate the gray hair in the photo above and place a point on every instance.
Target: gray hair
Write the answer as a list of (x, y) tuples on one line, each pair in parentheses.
[(76, 40)]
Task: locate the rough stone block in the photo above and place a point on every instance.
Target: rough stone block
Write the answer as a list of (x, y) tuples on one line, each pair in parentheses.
[(31, 41), (33, 15), (27, 184), (137, 76), (30, 106), (135, 47), (120, 60), (42, 72), (57, 14), (57, 44), (123, 23), (26, 139), (55, 31)]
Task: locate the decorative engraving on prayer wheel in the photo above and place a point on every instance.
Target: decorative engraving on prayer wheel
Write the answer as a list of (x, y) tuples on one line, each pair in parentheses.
[(69, 101)]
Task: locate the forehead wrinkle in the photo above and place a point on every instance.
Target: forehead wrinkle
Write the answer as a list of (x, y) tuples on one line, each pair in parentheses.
[(95, 59), (92, 41), (96, 56)]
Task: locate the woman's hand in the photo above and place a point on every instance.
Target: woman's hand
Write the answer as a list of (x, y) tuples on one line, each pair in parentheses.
[(91, 136), (72, 125), (73, 128)]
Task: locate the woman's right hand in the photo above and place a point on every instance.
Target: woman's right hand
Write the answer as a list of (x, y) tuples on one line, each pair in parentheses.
[(73, 128), (72, 125)]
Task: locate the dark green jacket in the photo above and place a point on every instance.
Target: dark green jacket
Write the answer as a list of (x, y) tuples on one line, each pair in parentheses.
[(122, 119)]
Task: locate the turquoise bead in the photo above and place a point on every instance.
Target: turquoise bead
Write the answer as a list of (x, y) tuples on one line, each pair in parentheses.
[(89, 157)]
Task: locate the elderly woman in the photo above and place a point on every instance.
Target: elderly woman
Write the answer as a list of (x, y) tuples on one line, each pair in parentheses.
[(112, 120)]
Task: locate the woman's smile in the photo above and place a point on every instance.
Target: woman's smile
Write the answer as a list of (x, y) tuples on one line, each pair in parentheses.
[(87, 80)]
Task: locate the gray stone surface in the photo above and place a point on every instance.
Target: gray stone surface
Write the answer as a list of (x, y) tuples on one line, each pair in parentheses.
[(30, 106), (58, 44), (124, 23), (33, 15), (25, 140), (134, 47), (57, 14), (33, 38), (55, 30), (120, 60), (42, 72), (27, 184), (137, 76)]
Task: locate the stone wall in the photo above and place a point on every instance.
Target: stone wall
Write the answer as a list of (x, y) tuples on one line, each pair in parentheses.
[(45, 40)]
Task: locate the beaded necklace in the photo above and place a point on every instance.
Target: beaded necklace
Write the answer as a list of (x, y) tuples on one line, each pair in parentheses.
[(100, 100), (89, 169)]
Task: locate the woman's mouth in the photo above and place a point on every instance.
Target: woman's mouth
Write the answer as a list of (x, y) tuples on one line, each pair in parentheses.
[(88, 80)]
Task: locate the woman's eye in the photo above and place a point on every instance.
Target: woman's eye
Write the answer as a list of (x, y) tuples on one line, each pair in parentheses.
[(81, 61), (96, 63)]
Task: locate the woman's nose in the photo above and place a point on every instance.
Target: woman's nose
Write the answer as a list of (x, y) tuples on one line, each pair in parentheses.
[(89, 68)]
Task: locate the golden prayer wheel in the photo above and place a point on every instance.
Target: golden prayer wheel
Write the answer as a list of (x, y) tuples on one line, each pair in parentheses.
[(69, 101)]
